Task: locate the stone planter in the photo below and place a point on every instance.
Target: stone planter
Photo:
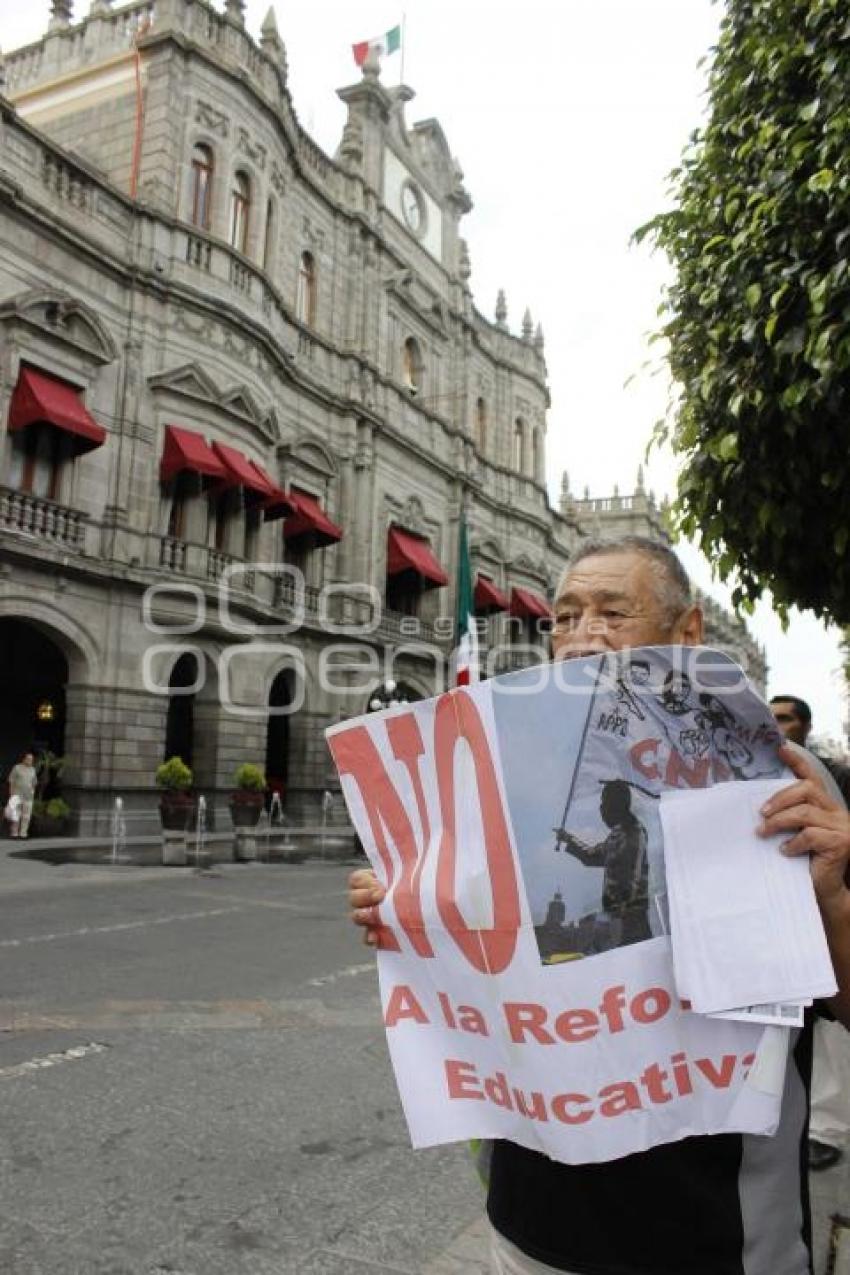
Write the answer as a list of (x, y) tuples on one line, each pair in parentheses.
[(174, 849), (244, 845), (246, 808), (177, 811)]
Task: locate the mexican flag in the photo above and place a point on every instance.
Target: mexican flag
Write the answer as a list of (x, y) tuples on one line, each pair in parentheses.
[(466, 651), (384, 44)]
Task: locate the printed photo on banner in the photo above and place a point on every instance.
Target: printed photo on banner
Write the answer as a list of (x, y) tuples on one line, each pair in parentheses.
[(590, 846)]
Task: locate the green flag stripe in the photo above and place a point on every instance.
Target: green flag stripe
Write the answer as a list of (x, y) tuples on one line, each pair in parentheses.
[(464, 582), (393, 39)]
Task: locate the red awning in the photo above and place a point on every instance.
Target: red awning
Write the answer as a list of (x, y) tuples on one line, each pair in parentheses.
[(406, 552), (185, 449), (487, 597), (41, 398), (276, 503), (241, 472), (309, 516), (528, 605)]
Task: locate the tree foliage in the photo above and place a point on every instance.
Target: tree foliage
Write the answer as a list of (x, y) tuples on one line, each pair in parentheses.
[(758, 314)]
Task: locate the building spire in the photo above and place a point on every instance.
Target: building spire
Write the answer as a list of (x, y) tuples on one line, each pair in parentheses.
[(234, 11), (501, 309), (538, 338), (269, 34), (527, 326), (61, 15), (270, 41), (566, 495)]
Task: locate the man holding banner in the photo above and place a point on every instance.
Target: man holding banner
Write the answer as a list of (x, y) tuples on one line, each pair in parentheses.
[(718, 1204)]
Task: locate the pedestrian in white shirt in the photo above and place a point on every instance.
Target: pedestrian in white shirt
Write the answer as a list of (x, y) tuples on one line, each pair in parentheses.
[(22, 780)]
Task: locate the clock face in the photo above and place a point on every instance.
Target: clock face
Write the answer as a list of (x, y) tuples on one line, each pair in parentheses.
[(412, 208)]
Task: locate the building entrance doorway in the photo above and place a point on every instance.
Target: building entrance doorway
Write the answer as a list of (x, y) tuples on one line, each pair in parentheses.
[(278, 734), (33, 678), (180, 722)]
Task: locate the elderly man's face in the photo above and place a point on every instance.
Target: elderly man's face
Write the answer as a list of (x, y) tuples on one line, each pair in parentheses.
[(611, 601)]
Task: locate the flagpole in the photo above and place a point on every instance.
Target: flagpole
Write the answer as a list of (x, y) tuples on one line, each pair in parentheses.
[(403, 45)]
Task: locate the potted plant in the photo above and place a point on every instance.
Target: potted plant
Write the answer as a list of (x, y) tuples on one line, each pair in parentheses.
[(177, 803), (248, 798)]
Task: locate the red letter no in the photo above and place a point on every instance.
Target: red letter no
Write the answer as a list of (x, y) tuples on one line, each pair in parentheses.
[(490, 951)]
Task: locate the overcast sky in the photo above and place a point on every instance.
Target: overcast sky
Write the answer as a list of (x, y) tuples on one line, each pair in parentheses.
[(565, 116)]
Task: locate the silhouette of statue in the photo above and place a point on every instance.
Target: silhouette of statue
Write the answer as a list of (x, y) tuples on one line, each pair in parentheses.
[(622, 855)]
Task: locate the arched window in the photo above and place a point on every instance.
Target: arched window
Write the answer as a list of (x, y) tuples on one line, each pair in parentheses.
[(481, 424), (268, 238), (519, 445), (305, 301), (202, 179), (535, 453), (412, 365), (240, 211)]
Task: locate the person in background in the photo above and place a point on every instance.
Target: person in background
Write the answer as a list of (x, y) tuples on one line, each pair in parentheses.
[(22, 779), (794, 719), (829, 1124)]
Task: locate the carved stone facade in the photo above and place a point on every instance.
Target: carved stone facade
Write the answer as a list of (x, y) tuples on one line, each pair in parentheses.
[(186, 256)]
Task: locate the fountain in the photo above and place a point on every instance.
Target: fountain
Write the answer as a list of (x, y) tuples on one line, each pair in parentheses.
[(327, 805), (264, 830), (119, 833), (275, 809), (286, 847), (202, 857)]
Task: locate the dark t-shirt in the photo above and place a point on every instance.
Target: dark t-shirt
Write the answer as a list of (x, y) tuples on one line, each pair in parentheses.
[(727, 1204), (840, 773)]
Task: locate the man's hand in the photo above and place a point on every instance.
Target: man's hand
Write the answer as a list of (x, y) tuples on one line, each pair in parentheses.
[(820, 827), (365, 892)]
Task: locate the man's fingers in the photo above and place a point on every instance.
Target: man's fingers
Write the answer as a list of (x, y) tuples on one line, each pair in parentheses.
[(805, 792), (366, 916), (361, 878), (364, 888), (801, 816), (801, 765), (363, 897)]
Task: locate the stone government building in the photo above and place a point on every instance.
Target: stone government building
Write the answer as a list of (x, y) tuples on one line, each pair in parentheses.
[(228, 357)]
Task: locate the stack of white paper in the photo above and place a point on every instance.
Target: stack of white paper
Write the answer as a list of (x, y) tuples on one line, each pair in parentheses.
[(747, 936)]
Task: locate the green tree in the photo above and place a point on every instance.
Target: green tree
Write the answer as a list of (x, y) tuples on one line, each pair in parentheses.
[(758, 314)]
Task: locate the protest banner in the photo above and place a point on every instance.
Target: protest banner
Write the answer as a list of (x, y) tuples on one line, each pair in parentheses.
[(525, 967)]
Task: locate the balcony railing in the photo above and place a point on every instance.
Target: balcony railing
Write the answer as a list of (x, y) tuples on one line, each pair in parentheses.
[(288, 597), (42, 519), (172, 554), (394, 626), (217, 563)]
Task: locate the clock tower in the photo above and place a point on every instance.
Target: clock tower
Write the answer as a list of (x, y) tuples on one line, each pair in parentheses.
[(418, 183)]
